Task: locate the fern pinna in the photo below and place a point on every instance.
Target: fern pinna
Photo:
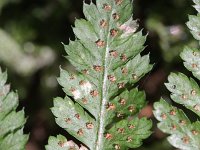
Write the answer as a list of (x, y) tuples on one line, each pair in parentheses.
[(11, 121), (184, 134), (106, 54)]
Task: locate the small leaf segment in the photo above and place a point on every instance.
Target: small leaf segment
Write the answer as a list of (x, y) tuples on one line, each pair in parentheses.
[(11, 121), (185, 91), (99, 110)]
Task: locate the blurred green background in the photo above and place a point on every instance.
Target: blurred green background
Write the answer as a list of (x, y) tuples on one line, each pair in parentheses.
[(31, 32)]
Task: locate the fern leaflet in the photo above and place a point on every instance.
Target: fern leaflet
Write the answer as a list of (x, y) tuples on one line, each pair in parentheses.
[(106, 55)]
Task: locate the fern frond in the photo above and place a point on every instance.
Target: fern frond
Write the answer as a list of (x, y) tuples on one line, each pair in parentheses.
[(185, 91), (183, 134), (60, 140), (191, 59), (106, 55), (191, 56), (11, 121), (194, 23)]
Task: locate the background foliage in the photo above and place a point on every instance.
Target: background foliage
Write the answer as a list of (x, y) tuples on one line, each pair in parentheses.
[(31, 33)]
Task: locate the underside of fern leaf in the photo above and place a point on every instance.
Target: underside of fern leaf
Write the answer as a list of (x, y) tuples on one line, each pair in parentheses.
[(183, 133), (99, 110), (11, 122)]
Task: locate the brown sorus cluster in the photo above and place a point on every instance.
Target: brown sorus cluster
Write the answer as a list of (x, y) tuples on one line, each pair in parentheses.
[(197, 107), (113, 32), (163, 116), (97, 68), (115, 16), (173, 86), (110, 106), (122, 101), (172, 112), (193, 92), (80, 132), (82, 82), (72, 77), (135, 77), (129, 139), (173, 127), (119, 115), (130, 126), (103, 23), (185, 139), (107, 7), (182, 122), (121, 85), (124, 70), (94, 93), (113, 53), (194, 65), (111, 78), (100, 43), (123, 57), (194, 132), (118, 2), (72, 89), (85, 71), (184, 96), (89, 125), (68, 120), (61, 144), (77, 116), (195, 53), (131, 108), (108, 136), (84, 100), (121, 130), (117, 147)]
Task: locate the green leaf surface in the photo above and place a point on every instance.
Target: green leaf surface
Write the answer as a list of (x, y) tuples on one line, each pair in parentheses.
[(191, 58), (128, 133), (14, 141), (197, 5), (106, 55), (60, 140), (128, 103), (194, 21), (75, 120), (194, 26), (11, 121), (183, 134), (185, 91)]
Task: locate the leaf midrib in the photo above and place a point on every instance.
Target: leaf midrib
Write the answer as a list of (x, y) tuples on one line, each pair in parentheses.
[(101, 120)]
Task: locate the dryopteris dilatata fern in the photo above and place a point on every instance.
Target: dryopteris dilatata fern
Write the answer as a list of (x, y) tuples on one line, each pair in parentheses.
[(183, 133), (106, 55), (11, 121)]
